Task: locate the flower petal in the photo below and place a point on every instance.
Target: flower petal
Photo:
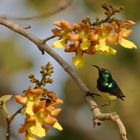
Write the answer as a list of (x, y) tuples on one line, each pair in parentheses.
[(78, 61), (50, 120), (55, 112), (112, 51), (58, 126), (127, 44), (104, 49), (59, 43), (38, 130), (21, 99), (85, 44), (29, 108), (58, 102), (112, 38)]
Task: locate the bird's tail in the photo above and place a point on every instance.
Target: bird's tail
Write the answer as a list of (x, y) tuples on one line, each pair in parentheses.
[(122, 97)]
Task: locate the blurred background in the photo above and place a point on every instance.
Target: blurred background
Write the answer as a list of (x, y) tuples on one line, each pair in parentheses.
[(19, 57)]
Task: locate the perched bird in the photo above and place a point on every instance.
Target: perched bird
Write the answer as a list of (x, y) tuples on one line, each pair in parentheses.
[(108, 86)]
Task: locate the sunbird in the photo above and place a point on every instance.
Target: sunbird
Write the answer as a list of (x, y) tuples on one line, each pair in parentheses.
[(108, 86)]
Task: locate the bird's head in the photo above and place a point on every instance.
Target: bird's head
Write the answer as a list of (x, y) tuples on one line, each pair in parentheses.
[(103, 73)]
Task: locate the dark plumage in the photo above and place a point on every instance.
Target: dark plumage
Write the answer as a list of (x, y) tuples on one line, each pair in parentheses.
[(105, 83)]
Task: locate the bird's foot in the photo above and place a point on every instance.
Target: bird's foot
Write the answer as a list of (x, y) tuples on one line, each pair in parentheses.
[(91, 94)]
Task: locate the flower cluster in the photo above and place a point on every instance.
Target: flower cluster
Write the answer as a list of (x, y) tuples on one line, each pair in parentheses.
[(89, 38), (40, 109), (75, 38)]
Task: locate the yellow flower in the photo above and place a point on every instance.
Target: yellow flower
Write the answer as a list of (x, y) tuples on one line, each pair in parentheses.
[(29, 122), (32, 96), (59, 43), (58, 126), (112, 35), (122, 32), (78, 61), (84, 37), (29, 108), (103, 48), (40, 107), (75, 38), (39, 110), (85, 44), (127, 44), (37, 130)]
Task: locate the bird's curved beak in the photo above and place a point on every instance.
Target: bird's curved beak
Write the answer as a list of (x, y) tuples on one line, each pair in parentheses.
[(99, 70), (96, 67)]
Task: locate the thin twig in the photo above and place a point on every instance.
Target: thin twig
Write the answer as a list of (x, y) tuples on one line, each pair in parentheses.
[(109, 12), (15, 114), (9, 120), (8, 131), (98, 116), (49, 38)]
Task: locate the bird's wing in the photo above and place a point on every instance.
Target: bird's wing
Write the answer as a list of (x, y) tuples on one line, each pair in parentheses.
[(115, 90)]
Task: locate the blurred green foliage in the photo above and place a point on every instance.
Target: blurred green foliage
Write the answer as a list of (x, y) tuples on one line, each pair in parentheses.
[(11, 61), (43, 5), (67, 134)]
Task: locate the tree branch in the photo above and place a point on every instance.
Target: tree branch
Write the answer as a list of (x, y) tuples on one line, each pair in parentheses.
[(98, 117), (61, 6), (43, 47)]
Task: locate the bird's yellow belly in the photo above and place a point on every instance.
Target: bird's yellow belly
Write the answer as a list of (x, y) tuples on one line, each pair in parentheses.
[(109, 96)]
